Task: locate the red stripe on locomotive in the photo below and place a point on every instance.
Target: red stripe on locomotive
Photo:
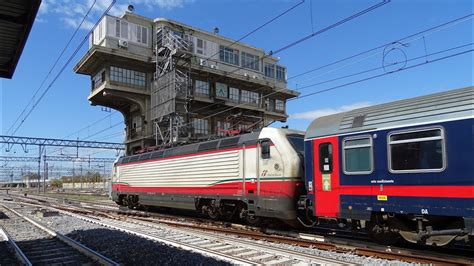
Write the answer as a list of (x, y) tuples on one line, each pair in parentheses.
[(267, 188)]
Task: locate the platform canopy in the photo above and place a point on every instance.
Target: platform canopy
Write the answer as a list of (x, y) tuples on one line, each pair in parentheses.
[(16, 20)]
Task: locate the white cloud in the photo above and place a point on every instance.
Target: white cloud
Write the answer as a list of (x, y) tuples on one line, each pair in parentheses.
[(310, 115), (73, 23), (40, 20), (163, 4), (72, 12)]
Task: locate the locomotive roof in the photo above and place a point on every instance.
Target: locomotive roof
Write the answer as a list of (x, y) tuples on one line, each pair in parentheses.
[(218, 144), (424, 109)]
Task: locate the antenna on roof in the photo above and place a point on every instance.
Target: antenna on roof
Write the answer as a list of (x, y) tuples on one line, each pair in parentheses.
[(216, 30), (130, 8)]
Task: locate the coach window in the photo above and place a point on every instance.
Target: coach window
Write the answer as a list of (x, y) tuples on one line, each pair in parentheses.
[(417, 151), (325, 158), (358, 155)]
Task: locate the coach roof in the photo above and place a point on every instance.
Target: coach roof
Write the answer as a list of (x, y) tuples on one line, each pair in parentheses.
[(424, 109)]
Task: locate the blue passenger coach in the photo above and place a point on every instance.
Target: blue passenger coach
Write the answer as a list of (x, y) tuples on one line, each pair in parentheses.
[(404, 168)]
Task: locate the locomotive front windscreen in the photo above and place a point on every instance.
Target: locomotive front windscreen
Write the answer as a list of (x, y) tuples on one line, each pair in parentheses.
[(297, 141)]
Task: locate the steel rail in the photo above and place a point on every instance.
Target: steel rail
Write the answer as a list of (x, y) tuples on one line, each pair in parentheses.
[(94, 255), (206, 252), (197, 249), (249, 244), (303, 240), (18, 252)]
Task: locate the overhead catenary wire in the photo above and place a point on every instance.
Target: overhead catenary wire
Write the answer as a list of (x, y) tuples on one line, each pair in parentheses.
[(406, 39), (63, 68), (259, 27), (54, 65), (314, 34), (431, 61), (385, 74), (332, 26), (214, 114), (103, 130), (426, 31), (90, 135), (92, 124), (431, 30), (384, 67)]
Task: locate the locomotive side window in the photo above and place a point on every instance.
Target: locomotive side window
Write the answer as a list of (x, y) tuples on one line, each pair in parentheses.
[(325, 157), (358, 155), (265, 149), (417, 151)]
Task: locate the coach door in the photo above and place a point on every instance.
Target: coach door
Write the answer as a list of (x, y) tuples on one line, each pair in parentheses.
[(326, 177)]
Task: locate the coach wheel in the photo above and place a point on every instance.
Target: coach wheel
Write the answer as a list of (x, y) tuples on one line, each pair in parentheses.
[(380, 233)]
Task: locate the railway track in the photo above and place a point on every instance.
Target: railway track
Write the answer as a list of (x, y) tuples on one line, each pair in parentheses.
[(7, 257), (245, 252), (35, 244), (301, 240), (240, 251)]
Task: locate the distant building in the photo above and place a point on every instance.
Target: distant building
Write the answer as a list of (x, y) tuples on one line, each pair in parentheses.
[(175, 84)]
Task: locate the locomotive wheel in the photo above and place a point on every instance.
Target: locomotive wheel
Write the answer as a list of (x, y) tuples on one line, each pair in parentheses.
[(253, 220), (213, 213), (133, 202)]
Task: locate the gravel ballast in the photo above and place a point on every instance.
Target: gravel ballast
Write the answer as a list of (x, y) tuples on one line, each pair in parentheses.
[(132, 250), (124, 248)]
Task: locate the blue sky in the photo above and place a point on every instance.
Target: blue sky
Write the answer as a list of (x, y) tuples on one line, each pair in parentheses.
[(65, 109)]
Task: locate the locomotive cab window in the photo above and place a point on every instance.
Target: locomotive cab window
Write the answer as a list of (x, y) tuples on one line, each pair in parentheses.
[(265, 149), (325, 157), (417, 151), (358, 155)]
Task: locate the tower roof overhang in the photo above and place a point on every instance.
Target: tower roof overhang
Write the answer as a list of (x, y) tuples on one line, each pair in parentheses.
[(96, 56)]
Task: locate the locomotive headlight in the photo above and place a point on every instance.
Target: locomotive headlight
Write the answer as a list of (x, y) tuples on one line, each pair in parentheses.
[(374, 136)]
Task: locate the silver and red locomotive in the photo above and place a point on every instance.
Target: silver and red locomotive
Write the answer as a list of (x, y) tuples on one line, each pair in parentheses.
[(252, 175)]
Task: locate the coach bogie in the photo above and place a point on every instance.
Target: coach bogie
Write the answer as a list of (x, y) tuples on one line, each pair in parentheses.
[(432, 230)]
